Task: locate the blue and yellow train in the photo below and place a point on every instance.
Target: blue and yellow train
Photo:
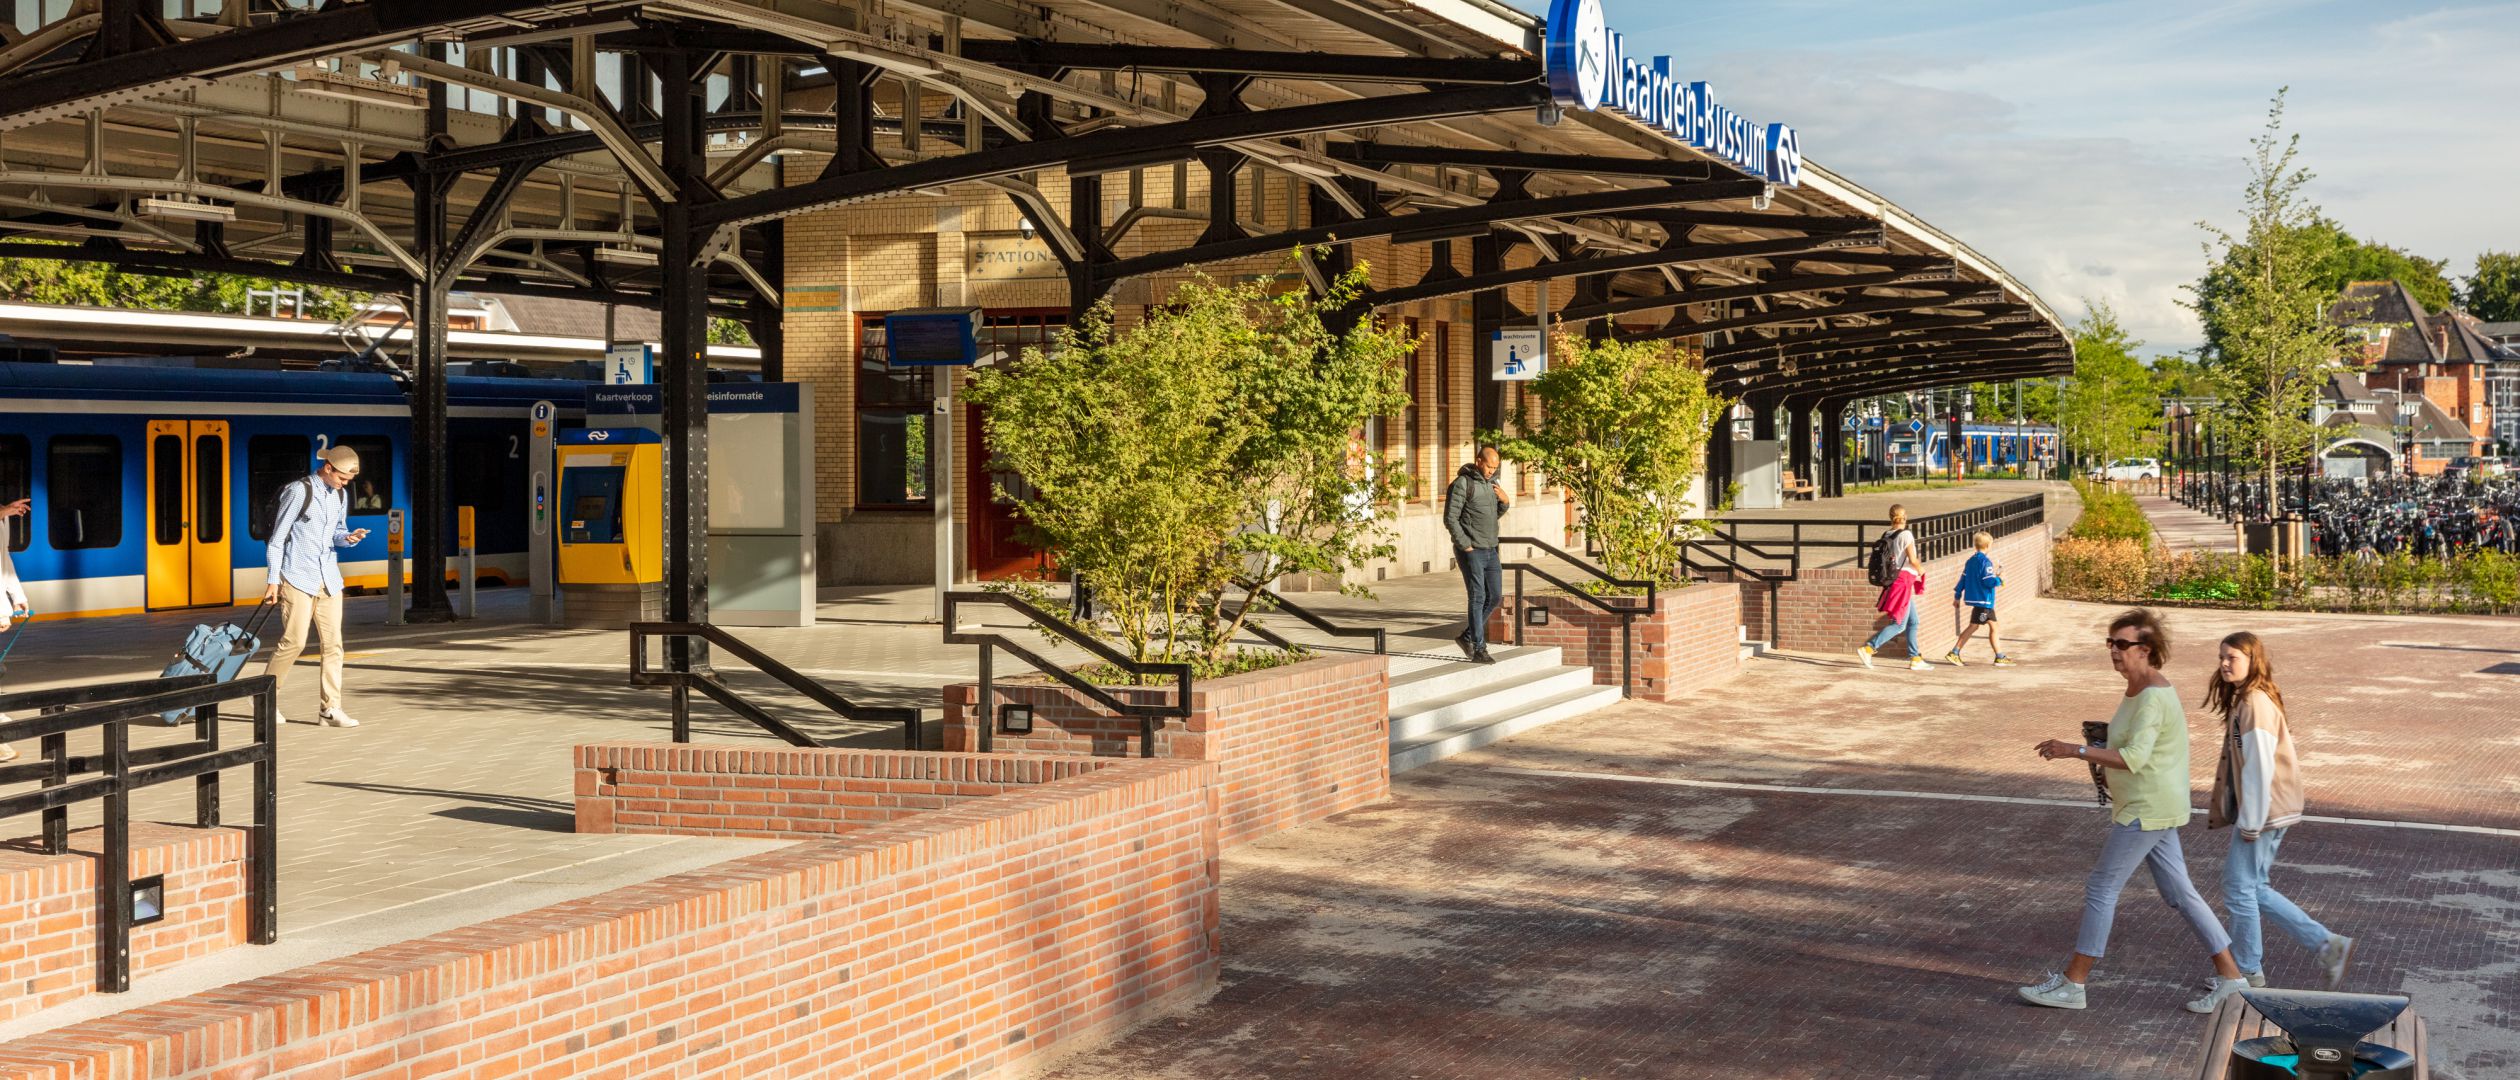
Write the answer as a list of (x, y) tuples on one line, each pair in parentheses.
[(152, 488)]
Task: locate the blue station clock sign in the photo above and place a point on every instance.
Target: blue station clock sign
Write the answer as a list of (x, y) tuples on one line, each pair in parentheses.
[(1589, 68)]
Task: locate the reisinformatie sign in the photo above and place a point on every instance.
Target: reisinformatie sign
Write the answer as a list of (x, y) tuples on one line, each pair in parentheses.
[(1589, 68)]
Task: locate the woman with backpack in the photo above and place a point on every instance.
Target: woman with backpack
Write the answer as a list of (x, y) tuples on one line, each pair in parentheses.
[(1901, 576)]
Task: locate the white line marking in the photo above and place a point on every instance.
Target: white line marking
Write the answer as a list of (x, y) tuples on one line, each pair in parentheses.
[(1949, 796)]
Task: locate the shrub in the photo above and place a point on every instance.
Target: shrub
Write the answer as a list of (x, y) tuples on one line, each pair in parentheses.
[(2087, 569), (2108, 514)]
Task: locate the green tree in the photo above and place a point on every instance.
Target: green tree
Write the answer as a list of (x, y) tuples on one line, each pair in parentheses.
[(2492, 293), (1623, 428), (94, 284), (2337, 258), (2110, 409), (2276, 343), (1193, 458)]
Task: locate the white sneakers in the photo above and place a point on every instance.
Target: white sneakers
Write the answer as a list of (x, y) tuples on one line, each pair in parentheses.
[(1918, 663), (323, 718), (2055, 992), (2223, 988), (1915, 663), (2333, 956), (1864, 653)]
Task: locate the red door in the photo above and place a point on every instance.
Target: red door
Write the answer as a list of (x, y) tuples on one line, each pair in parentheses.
[(996, 555)]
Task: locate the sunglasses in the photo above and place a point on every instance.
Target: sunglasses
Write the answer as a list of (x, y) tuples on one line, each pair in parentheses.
[(2116, 644)]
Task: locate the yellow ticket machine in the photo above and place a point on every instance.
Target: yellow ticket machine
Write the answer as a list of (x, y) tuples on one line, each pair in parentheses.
[(612, 526)]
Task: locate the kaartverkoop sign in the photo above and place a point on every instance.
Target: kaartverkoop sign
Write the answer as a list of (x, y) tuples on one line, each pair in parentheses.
[(1589, 69)]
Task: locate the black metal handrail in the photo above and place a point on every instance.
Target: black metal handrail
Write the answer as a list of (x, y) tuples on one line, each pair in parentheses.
[(1627, 612), (1937, 535), (1277, 601), (708, 683), (119, 769), (983, 710)]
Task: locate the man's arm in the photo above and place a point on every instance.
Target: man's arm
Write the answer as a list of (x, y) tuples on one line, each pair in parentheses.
[(284, 517), (1456, 500)]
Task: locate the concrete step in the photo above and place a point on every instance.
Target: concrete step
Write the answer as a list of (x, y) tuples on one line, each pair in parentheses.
[(1416, 679), (1519, 689), (1486, 728)]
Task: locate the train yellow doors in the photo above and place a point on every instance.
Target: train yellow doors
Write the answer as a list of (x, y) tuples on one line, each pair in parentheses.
[(189, 545)]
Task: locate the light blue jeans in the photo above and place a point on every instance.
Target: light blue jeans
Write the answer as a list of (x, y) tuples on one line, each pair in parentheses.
[(2127, 847), (2246, 895), (1881, 638)]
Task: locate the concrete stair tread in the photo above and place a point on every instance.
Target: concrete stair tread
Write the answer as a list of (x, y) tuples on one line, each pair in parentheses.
[(1487, 728), (1416, 679), (1518, 689)]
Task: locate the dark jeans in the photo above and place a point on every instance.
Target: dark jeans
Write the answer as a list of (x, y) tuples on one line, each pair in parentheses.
[(1483, 577)]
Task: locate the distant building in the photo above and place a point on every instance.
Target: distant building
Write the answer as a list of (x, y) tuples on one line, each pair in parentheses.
[(2369, 431), (2463, 377)]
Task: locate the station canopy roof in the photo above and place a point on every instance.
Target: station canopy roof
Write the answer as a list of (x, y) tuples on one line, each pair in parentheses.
[(365, 144)]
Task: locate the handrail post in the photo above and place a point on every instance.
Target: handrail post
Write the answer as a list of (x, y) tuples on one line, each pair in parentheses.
[(113, 866), (682, 707), (1514, 618), (1627, 655), (57, 818), (262, 850), (984, 710), (206, 785)]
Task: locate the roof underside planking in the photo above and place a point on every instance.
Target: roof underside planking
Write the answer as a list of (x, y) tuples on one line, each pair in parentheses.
[(1415, 119)]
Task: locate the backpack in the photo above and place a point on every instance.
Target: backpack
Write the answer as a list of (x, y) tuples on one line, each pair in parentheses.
[(1881, 571), (306, 507)]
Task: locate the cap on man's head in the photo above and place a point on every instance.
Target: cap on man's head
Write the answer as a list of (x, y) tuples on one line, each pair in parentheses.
[(342, 459)]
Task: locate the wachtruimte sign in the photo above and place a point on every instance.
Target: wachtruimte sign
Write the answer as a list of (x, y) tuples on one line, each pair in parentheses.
[(1589, 69)]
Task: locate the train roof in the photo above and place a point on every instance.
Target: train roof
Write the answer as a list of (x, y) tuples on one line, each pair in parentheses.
[(113, 383)]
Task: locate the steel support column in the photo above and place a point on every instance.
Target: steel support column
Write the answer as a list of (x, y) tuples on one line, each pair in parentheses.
[(683, 298), (1833, 448), (1798, 456)]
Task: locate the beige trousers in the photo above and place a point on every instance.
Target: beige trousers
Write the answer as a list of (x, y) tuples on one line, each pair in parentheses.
[(297, 609)]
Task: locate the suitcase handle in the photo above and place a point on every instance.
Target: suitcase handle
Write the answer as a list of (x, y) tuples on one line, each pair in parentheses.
[(254, 623)]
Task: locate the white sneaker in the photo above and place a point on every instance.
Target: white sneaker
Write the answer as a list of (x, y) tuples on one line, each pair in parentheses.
[(2223, 988), (1917, 663), (2333, 957), (2055, 993), (2256, 979), (335, 718), (1864, 653)]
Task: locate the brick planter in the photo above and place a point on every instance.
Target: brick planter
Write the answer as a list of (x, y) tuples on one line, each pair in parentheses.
[(1691, 639), (48, 911), (1832, 610), (1291, 744)]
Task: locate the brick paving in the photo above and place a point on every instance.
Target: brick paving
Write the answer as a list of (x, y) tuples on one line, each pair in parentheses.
[(1640, 892)]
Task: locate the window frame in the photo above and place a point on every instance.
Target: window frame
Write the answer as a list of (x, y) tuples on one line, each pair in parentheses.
[(55, 509), (375, 451), (1047, 321), (264, 497)]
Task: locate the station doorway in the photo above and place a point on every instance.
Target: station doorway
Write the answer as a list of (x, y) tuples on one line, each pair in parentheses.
[(189, 562), (996, 551)]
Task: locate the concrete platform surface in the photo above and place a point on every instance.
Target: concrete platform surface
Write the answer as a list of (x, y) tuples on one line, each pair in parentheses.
[(1821, 871)]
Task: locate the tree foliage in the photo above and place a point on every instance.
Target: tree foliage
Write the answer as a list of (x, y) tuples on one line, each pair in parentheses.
[(1181, 464), (2337, 258), (1623, 428), (2111, 408), (2274, 341), (93, 284), (2492, 293)]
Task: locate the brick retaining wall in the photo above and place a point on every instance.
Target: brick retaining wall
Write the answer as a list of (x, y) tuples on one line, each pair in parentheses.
[(1691, 640), (1831, 610), (700, 790), (48, 910), (1291, 744), (960, 942)]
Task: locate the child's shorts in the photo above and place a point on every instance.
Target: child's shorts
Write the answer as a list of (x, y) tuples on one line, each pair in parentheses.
[(1980, 616)]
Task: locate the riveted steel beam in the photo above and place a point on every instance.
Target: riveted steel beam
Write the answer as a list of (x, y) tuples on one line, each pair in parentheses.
[(1689, 255), (1262, 63), (1972, 296)]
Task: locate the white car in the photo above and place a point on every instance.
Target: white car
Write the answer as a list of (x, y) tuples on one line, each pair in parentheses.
[(2128, 469)]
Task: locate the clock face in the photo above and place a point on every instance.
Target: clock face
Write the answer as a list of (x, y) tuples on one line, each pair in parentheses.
[(1592, 53)]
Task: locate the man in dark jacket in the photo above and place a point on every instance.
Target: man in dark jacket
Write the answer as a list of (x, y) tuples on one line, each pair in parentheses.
[(1472, 507)]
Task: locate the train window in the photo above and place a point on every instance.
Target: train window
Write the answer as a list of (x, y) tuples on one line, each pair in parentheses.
[(476, 474), (166, 463), (210, 489), (83, 491), (17, 471), (373, 491), (273, 462)]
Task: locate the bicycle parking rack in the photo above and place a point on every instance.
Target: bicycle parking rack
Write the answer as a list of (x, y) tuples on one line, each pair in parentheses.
[(715, 689), (118, 770)]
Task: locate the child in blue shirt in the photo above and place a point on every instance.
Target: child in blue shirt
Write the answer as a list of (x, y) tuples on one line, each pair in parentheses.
[(1976, 592)]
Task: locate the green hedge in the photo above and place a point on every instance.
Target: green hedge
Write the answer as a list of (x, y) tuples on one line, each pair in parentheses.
[(2109, 514), (2127, 571)]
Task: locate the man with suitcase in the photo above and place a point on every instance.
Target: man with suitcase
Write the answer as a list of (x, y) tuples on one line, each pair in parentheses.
[(310, 525)]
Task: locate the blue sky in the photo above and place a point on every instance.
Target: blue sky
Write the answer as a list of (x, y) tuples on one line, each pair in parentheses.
[(2079, 144)]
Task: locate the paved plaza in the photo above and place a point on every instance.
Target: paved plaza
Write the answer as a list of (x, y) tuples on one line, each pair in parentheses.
[(1820, 871), (1811, 871)]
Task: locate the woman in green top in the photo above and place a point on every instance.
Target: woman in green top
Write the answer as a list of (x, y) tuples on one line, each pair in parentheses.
[(2146, 766)]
